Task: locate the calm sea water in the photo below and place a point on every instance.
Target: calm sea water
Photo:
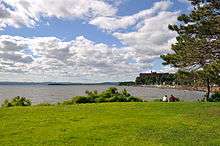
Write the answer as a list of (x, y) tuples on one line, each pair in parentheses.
[(53, 94)]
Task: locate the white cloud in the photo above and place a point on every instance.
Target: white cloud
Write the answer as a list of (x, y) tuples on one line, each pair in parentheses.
[(184, 1), (82, 59), (167, 69), (18, 13), (150, 36), (122, 22), (78, 58), (153, 38)]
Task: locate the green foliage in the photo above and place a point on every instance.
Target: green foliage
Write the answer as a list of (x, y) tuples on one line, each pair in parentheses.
[(185, 78), (79, 99), (127, 83), (6, 103), (210, 72), (84, 99), (156, 79), (199, 37), (101, 99), (125, 93), (215, 97), (134, 99), (200, 77), (17, 101), (114, 99), (110, 95), (93, 94), (198, 42), (110, 92)]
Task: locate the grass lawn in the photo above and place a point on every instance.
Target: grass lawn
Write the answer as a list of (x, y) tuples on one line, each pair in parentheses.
[(132, 124)]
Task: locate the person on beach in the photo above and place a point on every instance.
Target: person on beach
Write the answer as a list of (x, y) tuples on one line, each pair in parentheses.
[(165, 98), (173, 98)]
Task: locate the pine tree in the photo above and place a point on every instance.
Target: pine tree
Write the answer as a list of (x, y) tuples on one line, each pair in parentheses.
[(198, 42)]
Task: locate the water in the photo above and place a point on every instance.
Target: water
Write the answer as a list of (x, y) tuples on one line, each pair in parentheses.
[(53, 94)]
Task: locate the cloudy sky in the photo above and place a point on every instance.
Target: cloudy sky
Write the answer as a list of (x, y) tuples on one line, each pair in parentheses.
[(85, 40)]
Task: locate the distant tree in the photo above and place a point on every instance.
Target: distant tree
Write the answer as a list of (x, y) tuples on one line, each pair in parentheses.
[(210, 76), (131, 83), (140, 81), (184, 77), (198, 42)]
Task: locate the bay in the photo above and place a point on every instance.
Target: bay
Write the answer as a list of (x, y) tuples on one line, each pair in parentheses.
[(58, 93)]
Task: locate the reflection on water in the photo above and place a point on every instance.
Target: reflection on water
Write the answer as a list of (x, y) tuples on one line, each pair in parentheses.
[(52, 94)]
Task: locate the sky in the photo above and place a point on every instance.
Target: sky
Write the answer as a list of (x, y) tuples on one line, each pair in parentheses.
[(85, 40)]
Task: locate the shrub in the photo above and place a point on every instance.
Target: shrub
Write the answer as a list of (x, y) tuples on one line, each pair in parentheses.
[(6, 103), (125, 93), (92, 94), (122, 99), (17, 101), (20, 101), (113, 99), (134, 99), (83, 99), (101, 99), (80, 99), (110, 92), (117, 99), (110, 95), (215, 97)]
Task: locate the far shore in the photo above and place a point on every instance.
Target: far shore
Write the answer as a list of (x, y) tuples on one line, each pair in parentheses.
[(189, 88)]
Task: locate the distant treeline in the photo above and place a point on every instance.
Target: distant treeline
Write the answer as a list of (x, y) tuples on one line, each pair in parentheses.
[(152, 79), (56, 83), (131, 83), (179, 78), (155, 79)]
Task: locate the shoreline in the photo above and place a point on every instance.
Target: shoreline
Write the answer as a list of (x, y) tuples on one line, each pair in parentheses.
[(188, 88)]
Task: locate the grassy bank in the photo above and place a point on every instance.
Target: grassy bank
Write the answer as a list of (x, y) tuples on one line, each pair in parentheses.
[(112, 124)]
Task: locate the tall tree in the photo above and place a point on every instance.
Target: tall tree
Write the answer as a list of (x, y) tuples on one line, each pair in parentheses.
[(198, 42)]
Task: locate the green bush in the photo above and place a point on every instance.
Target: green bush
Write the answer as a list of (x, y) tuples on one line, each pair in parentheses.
[(92, 94), (215, 97), (6, 103), (101, 99), (134, 99), (17, 101), (118, 99), (122, 99), (110, 95), (113, 99), (125, 93), (110, 92), (83, 99)]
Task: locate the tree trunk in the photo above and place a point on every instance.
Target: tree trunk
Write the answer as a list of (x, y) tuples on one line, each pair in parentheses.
[(208, 89)]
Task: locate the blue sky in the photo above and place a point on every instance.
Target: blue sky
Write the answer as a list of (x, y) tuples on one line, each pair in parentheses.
[(85, 40)]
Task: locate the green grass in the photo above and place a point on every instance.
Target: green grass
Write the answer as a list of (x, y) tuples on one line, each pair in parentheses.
[(106, 124)]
